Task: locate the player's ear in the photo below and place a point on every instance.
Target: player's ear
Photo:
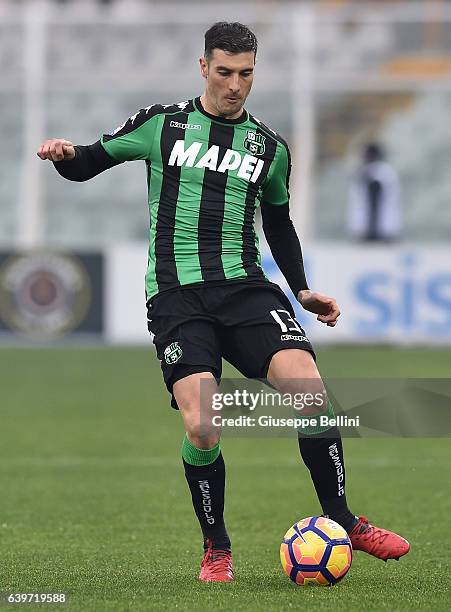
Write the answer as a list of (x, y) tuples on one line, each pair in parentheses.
[(203, 67)]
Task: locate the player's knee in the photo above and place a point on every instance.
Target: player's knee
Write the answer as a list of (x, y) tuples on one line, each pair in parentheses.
[(200, 438), (198, 422), (200, 429), (193, 394), (309, 395)]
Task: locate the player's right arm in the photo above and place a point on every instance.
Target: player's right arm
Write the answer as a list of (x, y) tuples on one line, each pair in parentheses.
[(130, 141), (76, 162), (56, 149)]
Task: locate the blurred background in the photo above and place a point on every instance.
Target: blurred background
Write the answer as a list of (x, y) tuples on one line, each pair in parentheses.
[(336, 78)]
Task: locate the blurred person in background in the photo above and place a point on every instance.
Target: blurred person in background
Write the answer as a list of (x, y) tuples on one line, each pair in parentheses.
[(374, 211), (210, 164)]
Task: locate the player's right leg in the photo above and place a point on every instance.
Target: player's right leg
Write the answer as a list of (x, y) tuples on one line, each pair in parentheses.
[(205, 472), (187, 346)]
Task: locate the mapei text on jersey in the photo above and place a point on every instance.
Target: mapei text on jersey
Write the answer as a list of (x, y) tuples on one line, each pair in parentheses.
[(249, 167)]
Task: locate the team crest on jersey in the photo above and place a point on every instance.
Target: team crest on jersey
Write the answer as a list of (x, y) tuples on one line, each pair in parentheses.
[(255, 143), (172, 353)]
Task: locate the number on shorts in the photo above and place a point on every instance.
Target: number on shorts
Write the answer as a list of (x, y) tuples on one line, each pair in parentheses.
[(283, 326)]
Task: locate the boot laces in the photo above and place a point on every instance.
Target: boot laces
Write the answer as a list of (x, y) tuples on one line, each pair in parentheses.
[(219, 560), (370, 533)]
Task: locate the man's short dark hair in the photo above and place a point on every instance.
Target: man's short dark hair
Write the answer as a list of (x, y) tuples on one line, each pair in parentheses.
[(233, 37), (373, 151)]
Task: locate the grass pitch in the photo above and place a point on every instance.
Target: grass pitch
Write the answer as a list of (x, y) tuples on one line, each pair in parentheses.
[(93, 500)]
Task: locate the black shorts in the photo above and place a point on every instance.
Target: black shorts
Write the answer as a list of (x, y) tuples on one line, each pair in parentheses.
[(243, 322)]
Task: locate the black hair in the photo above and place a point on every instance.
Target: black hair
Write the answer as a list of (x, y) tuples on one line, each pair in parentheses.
[(373, 152), (233, 37)]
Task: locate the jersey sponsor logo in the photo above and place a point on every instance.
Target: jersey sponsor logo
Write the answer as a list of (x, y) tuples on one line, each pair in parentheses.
[(185, 126), (254, 143), (172, 353), (248, 167)]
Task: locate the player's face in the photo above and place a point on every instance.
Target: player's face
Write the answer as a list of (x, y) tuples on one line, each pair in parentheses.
[(229, 79)]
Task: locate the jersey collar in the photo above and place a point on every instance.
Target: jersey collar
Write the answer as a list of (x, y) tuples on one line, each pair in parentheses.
[(242, 119)]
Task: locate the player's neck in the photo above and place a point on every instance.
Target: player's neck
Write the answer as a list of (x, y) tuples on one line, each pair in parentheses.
[(211, 110)]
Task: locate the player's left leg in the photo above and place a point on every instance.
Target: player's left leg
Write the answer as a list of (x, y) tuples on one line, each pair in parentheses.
[(262, 339), (294, 371)]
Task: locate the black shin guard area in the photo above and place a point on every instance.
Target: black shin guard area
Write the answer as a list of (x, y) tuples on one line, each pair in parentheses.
[(207, 485), (324, 458)]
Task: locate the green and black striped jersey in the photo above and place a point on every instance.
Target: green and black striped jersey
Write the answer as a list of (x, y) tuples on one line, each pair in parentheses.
[(206, 177)]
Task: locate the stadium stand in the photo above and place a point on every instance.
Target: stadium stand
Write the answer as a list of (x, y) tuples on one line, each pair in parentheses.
[(109, 70)]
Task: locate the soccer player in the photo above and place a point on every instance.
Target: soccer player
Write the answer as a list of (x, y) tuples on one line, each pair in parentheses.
[(210, 164)]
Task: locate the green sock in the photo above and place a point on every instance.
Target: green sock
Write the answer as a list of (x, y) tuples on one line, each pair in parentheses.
[(318, 429), (199, 456)]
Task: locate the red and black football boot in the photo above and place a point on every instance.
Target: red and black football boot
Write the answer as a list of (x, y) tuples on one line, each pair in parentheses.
[(216, 565), (378, 542)]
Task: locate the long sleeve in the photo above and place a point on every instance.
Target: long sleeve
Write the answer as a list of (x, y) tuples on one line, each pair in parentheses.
[(132, 140), (89, 161), (284, 244)]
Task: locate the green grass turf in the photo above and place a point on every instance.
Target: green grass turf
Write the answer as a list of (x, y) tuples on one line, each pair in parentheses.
[(93, 499)]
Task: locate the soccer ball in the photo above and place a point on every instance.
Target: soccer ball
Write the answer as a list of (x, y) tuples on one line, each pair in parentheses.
[(316, 550)]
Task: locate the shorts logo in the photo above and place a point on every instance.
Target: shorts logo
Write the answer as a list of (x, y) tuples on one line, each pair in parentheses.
[(172, 353), (291, 337), (254, 143)]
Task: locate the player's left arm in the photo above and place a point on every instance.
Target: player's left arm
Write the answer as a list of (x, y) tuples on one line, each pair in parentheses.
[(284, 243)]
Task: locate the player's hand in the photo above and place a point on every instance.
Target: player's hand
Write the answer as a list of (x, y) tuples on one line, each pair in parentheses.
[(325, 307), (56, 149)]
